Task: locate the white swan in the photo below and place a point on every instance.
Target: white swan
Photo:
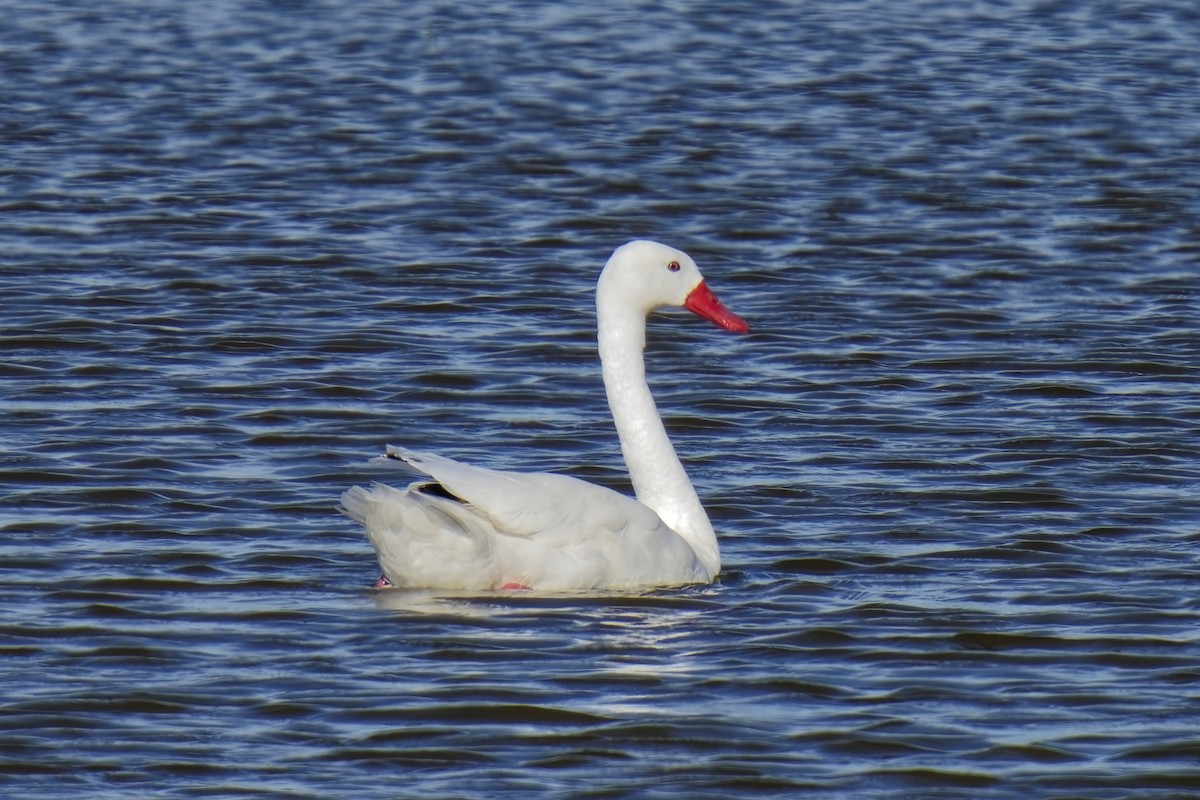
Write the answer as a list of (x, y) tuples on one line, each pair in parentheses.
[(467, 528)]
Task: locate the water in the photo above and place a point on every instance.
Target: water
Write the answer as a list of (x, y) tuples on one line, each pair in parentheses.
[(954, 467)]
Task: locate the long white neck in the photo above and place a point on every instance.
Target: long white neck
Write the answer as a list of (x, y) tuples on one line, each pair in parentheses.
[(658, 478)]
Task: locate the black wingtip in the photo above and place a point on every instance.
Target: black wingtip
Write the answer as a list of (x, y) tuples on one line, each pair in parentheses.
[(434, 489)]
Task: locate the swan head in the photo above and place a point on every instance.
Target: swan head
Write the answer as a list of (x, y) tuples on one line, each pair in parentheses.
[(646, 275)]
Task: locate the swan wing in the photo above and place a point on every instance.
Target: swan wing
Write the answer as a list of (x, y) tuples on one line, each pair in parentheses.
[(472, 527), (532, 503)]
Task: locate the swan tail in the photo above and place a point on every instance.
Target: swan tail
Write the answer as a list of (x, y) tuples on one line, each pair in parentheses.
[(424, 537)]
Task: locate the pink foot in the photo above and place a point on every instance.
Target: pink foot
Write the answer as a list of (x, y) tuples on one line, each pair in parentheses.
[(515, 586), (383, 582)]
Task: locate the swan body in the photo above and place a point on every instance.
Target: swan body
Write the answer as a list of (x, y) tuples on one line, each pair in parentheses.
[(461, 527)]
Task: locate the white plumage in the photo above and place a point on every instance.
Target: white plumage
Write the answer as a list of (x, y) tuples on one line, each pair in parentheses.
[(468, 528)]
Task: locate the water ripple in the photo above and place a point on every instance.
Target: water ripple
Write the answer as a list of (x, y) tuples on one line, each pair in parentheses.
[(953, 465)]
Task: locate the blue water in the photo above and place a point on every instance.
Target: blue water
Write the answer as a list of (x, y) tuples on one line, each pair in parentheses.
[(954, 468)]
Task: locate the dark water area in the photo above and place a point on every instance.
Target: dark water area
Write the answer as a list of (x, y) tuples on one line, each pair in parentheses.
[(955, 467)]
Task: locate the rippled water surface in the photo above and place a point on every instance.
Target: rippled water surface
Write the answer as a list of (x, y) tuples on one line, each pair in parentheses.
[(954, 467)]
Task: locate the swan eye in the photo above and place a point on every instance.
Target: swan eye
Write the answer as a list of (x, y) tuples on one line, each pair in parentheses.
[(673, 266)]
